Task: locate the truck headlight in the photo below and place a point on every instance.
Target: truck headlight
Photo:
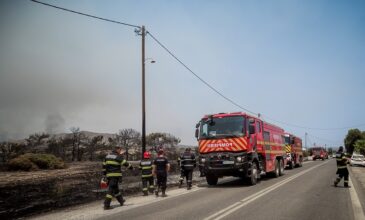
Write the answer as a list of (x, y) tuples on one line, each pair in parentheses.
[(239, 159), (202, 160)]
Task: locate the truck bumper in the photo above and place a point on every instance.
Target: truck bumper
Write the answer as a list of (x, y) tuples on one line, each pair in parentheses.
[(238, 170)]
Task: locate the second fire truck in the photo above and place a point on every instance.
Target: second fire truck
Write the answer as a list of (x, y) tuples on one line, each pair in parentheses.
[(294, 152), (241, 145)]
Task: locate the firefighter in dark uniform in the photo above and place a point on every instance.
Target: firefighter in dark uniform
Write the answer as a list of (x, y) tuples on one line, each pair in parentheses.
[(147, 177), (188, 163), (160, 168), (112, 171), (181, 179), (342, 168)]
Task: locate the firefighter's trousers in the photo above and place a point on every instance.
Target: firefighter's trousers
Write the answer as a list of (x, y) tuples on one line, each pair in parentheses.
[(147, 184), (343, 172), (161, 180), (189, 176), (113, 191), (182, 175)]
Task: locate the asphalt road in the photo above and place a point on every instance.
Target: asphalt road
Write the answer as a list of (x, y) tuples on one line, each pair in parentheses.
[(302, 193)]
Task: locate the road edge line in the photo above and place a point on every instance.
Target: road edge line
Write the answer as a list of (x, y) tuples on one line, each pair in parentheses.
[(356, 204), (247, 200)]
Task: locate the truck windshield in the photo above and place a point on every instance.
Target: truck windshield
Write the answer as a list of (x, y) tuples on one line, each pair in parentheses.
[(232, 126)]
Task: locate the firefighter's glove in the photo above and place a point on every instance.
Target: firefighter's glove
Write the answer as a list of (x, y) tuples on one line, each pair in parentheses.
[(104, 179)]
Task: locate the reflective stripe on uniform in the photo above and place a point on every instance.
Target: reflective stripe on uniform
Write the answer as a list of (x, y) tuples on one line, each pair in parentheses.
[(109, 196), (341, 167), (149, 175), (152, 187), (346, 181), (147, 168), (113, 174), (104, 163), (123, 162), (110, 162), (144, 189), (118, 194)]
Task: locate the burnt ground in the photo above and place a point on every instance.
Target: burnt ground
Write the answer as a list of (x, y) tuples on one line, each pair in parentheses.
[(27, 193)]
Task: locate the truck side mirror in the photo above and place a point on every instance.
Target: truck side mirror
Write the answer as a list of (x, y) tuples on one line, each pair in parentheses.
[(196, 133)]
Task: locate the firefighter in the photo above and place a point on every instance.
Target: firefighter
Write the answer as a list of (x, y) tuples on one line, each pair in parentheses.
[(181, 180), (188, 163), (112, 172), (147, 177), (342, 168), (160, 168)]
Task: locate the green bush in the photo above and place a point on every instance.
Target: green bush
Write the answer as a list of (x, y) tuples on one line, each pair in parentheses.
[(31, 161)]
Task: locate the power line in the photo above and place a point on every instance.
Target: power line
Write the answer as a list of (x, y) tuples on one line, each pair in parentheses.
[(233, 102), (84, 14), (198, 77), (191, 71)]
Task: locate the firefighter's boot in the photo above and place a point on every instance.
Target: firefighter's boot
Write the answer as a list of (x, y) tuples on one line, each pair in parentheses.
[(346, 184), (120, 200), (336, 182), (181, 182), (189, 186), (163, 193), (151, 189), (107, 202), (156, 192), (145, 193)]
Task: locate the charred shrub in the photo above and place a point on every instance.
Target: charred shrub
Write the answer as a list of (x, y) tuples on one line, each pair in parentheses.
[(21, 163), (31, 161)]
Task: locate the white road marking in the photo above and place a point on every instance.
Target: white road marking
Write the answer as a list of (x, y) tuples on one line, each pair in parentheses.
[(356, 205), (232, 208)]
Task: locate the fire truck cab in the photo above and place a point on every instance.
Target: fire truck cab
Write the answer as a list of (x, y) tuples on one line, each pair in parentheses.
[(241, 145)]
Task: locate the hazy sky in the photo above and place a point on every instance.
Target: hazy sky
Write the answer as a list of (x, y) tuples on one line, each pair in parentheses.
[(300, 62)]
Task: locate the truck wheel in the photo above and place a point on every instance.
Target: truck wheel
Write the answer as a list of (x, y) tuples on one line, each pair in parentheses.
[(212, 180), (252, 179), (281, 167), (276, 171), (300, 162)]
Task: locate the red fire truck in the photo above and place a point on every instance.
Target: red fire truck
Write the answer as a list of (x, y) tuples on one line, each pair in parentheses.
[(319, 153), (294, 152), (241, 145)]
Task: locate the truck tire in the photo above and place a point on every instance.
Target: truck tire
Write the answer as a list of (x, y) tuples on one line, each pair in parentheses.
[(291, 165), (252, 179), (281, 167), (300, 164), (211, 180), (276, 172)]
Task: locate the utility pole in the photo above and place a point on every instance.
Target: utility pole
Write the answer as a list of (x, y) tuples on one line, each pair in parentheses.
[(143, 33), (305, 141)]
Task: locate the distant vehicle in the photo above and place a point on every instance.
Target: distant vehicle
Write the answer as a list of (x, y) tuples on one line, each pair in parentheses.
[(241, 145), (319, 153), (294, 152), (358, 160)]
